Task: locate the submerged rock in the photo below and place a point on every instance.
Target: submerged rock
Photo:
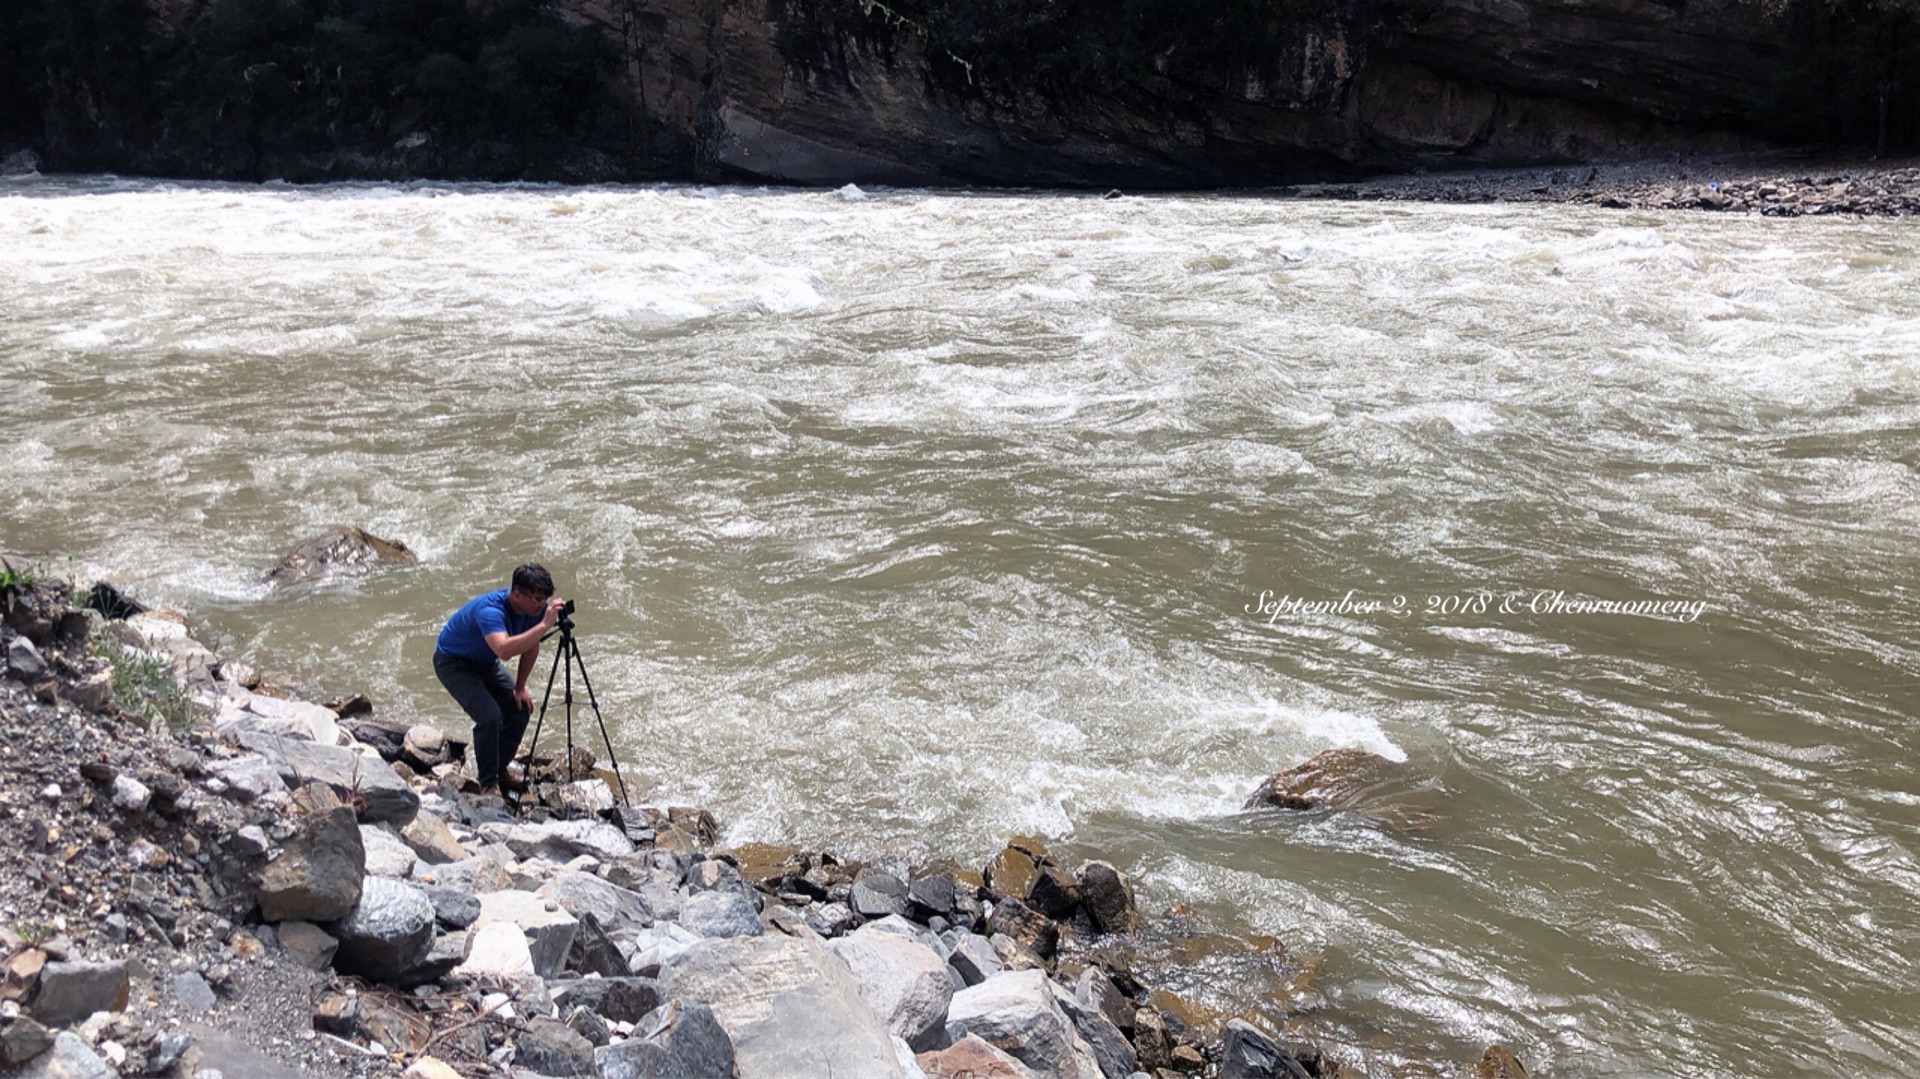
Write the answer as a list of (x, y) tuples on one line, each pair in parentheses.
[(1354, 779), (336, 552)]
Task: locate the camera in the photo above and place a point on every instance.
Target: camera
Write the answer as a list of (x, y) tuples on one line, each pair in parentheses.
[(566, 610)]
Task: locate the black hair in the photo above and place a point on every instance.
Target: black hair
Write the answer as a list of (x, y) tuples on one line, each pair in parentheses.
[(534, 580)]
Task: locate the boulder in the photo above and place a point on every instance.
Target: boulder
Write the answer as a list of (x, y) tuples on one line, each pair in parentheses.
[(308, 944), (1025, 926), (1334, 779), (24, 661), (387, 933), (71, 991), (452, 908), (1016, 1012), (1012, 872), (339, 551), (1109, 1046), (560, 841), (931, 895), (387, 854), (70, 1058), (353, 777), (192, 991), (1499, 1063), (790, 1007), (619, 1000), (290, 719), (1054, 892), (317, 876), (424, 747), (593, 951), (1108, 898), (615, 908), (720, 914), (248, 778), (1095, 990), (549, 932), (497, 950), (476, 876), (682, 1040), (1248, 1053), (971, 1058), (432, 841), (21, 1039), (877, 894), (906, 983), (656, 945), (973, 956), (548, 1047)]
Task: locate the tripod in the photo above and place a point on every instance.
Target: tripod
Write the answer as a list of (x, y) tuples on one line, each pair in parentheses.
[(568, 655)]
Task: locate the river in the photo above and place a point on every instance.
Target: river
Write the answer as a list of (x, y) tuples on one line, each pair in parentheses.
[(906, 521)]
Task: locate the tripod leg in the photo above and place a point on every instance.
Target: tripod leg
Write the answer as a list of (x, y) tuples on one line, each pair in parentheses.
[(545, 695), (612, 757), (572, 652)]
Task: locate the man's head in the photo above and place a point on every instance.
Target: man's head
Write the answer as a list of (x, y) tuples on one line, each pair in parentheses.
[(532, 587)]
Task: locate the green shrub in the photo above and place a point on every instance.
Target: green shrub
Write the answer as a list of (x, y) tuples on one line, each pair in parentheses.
[(144, 686)]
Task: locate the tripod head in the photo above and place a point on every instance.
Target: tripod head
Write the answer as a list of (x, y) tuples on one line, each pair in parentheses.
[(566, 618)]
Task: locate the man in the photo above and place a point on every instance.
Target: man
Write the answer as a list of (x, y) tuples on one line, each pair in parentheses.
[(490, 628)]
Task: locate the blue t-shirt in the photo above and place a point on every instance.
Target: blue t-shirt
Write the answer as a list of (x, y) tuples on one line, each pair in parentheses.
[(465, 634)]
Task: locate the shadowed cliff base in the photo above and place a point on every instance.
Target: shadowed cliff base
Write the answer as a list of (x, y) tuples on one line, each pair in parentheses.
[(1139, 94)]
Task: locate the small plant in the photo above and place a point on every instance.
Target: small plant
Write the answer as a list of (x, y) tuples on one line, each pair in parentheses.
[(34, 935), (12, 576), (144, 686)]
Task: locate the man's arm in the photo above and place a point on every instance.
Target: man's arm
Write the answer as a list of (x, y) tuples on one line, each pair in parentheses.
[(526, 668), (527, 643)]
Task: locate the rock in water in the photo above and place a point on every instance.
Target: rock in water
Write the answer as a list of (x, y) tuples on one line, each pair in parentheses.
[(336, 552), (1354, 779), (773, 996), (1108, 897), (317, 876)]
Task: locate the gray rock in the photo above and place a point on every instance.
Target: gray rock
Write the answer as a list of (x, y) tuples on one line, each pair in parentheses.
[(93, 693), (1014, 1011), (447, 952), (130, 795), (560, 841), (552, 1048), (655, 946), (193, 992), (615, 908), (343, 550), (24, 660), (878, 893), (475, 876), (352, 776), (68, 1059), (432, 841), (251, 842), (774, 996), (318, 875), (682, 1040), (387, 854), (452, 908), (22, 1039), (248, 778), (1110, 1047), (830, 919), (20, 163), (720, 914), (1108, 898), (1248, 1053), (497, 950), (586, 1023), (308, 944), (593, 951), (167, 1050), (621, 1000), (905, 981), (387, 933), (1096, 990), (973, 956), (933, 895), (291, 719), (69, 992), (549, 932)]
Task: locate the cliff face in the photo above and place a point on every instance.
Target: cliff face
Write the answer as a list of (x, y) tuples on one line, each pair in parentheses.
[(746, 89), (819, 92)]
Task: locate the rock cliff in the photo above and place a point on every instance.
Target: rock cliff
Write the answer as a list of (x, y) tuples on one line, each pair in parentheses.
[(837, 91)]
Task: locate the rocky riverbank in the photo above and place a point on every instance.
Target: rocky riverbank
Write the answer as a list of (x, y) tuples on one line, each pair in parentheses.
[(211, 878), (1768, 185)]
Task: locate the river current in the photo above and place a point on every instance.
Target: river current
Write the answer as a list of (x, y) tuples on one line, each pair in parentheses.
[(903, 522)]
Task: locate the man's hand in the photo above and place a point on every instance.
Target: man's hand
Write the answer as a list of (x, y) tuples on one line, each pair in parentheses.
[(523, 698), (553, 612)]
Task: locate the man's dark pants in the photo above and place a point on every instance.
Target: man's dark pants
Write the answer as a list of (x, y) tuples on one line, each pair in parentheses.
[(485, 690)]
